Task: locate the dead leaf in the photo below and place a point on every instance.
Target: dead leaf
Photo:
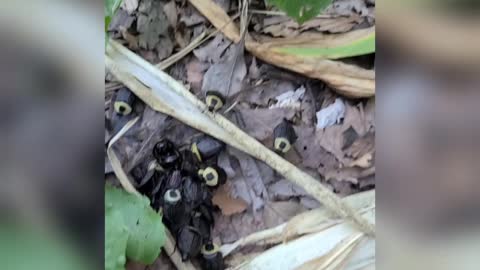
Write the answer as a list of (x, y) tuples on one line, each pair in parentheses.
[(252, 177), (364, 161), (121, 19), (164, 47), (349, 174), (151, 24), (348, 8), (313, 155), (213, 51), (131, 39), (290, 99), (227, 75), (170, 10), (284, 190), (332, 25), (276, 213), (361, 146), (262, 94), (227, 204), (253, 70), (224, 162), (195, 71), (260, 123), (369, 113), (130, 5), (331, 115), (282, 26)]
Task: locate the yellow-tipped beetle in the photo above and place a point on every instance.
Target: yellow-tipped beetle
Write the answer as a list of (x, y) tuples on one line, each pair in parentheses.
[(284, 137), (212, 258), (213, 175), (215, 100), (206, 147), (124, 101)]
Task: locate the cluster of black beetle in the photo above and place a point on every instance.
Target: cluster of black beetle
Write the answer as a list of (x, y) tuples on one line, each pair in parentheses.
[(180, 183)]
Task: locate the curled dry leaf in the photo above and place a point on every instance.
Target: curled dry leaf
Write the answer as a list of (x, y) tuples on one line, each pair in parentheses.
[(213, 51), (227, 203), (195, 71), (170, 10), (349, 174), (227, 75), (364, 161), (130, 5), (285, 27), (260, 123), (361, 146), (331, 115)]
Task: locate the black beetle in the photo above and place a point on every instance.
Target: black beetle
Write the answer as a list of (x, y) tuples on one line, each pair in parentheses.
[(194, 192), (202, 224), (206, 147), (213, 175), (212, 258), (124, 100), (174, 212), (215, 100), (189, 242), (285, 137), (167, 155)]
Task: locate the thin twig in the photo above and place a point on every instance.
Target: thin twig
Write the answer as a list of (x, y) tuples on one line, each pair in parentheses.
[(192, 46)]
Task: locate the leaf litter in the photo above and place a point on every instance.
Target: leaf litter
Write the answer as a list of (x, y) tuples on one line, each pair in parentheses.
[(336, 135)]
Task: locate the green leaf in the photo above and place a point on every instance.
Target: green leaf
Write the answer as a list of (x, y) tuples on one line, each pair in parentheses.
[(301, 10), (111, 7), (116, 236), (364, 45), (144, 227)]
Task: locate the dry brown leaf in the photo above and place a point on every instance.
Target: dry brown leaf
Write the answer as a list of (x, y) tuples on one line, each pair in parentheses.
[(131, 39), (260, 123), (364, 161), (288, 28), (130, 6), (195, 71), (361, 146), (170, 10), (227, 204), (334, 259), (349, 174)]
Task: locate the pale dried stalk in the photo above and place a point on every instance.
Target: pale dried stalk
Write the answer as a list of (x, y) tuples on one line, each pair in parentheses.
[(161, 92), (179, 55), (334, 258), (348, 80), (192, 46), (116, 164), (308, 222), (328, 249)]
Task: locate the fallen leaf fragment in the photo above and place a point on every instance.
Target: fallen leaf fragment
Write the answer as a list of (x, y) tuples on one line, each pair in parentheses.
[(227, 204), (364, 161), (130, 6), (331, 115), (290, 99)]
